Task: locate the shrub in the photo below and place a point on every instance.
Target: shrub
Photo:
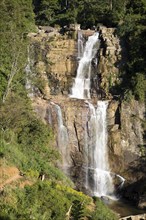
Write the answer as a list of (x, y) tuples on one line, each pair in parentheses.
[(103, 212)]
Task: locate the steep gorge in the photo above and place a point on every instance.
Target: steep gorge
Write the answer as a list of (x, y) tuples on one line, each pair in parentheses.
[(55, 63)]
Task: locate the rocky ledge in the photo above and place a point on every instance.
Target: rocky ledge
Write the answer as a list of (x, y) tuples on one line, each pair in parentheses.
[(134, 217)]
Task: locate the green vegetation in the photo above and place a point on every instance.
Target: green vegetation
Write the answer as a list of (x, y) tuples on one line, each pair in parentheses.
[(133, 30), (102, 212), (87, 13), (47, 200), (23, 135), (16, 20)]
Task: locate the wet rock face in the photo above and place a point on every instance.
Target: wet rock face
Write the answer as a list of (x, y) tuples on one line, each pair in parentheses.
[(142, 201), (74, 115), (136, 192)]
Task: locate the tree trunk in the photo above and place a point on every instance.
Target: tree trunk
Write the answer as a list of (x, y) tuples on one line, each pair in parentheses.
[(111, 5)]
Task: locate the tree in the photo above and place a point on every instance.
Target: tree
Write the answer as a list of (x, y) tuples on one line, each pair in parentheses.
[(133, 31), (16, 21), (47, 11)]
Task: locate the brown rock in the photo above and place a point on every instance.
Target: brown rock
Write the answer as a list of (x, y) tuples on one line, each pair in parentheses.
[(110, 58)]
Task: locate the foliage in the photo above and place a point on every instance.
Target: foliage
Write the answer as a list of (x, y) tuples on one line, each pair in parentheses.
[(16, 20), (47, 200), (46, 11), (24, 135), (42, 201), (87, 13), (102, 212), (139, 85), (133, 31)]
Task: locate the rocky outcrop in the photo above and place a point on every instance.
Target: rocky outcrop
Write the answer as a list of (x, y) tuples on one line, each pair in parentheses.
[(110, 59), (134, 217), (127, 149), (63, 65), (55, 60), (126, 137)]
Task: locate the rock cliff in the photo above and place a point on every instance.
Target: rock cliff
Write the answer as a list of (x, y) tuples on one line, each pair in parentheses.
[(110, 59), (125, 136), (55, 62)]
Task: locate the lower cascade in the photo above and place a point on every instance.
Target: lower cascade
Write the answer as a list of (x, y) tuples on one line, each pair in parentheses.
[(98, 177)]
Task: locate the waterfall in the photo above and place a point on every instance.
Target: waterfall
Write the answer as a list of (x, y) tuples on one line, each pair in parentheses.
[(29, 74), (98, 177), (81, 86), (98, 167), (122, 180), (80, 45), (62, 137), (95, 167)]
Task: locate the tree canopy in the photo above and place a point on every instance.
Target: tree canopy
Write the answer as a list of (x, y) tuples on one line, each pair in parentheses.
[(87, 13), (133, 30)]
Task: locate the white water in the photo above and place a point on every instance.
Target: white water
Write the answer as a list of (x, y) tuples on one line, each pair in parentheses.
[(80, 45), (29, 74), (62, 138), (122, 179), (98, 167), (81, 86)]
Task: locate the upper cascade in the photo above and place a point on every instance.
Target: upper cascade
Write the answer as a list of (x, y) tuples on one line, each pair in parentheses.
[(80, 45), (81, 86)]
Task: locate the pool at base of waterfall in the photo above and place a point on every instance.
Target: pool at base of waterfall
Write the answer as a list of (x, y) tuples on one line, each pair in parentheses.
[(124, 208)]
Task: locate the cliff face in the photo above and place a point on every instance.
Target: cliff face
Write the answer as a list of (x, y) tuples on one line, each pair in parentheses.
[(56, 62), (126, 137), (110, 59)]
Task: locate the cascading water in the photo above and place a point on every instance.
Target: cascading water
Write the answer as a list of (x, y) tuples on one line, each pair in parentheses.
[(80, 45), (98, 168), (62, 138), (98, 177), (122, 181), (81, 86), (29, 87)]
